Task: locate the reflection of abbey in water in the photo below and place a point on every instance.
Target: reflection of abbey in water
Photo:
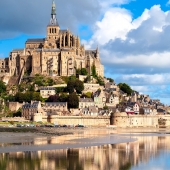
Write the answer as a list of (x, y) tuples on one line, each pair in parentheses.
[(60, 54), (116, 157)]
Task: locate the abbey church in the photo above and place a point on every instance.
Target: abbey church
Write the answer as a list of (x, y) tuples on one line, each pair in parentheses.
[(59, 54)]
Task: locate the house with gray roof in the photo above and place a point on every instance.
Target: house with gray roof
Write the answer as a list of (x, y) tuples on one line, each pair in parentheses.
[(86, 102), (29, 109), (55, 108), (45, 92)]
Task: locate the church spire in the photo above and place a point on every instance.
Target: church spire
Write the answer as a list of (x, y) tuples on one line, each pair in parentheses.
[(53, 20), (53, 10)]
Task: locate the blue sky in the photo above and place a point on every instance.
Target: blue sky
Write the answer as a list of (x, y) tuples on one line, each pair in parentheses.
[(133, 35)]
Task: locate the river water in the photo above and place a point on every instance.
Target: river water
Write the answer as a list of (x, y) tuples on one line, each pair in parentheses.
[(139, 151)]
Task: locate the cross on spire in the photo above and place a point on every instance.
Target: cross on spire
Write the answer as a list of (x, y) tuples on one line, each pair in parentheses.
[(53, 20)]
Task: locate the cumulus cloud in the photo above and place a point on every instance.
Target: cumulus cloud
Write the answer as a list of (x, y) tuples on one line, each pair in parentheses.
[(138, 44), (136, 49), (143, 79)]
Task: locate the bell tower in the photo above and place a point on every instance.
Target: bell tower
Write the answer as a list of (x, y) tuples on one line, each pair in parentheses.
[(53, 27)]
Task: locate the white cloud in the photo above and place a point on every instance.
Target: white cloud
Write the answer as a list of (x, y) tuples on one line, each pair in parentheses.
[(158, 60), (133, 46), (116, 23), (143, 79)]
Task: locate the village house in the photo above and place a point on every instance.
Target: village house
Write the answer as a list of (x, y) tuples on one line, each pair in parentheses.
[(55, 108), (112, 100), (29, 109), (90, 111), (92, 87), (136, 108), (45, 92), (99, 98), (86, 102)]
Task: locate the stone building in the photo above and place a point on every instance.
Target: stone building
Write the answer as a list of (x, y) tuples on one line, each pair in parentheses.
[(111, 99), (99, 98), (55, 108), (59, 54), (29, 109), (45, 92), (36, 108), (86, 102)]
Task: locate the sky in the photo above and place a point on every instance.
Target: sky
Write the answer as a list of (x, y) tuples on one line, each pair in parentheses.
[(133, 36)]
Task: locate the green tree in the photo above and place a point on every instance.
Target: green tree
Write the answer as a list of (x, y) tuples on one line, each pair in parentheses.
[(78, 71), (73, 101), (50, 82), (110, 80), (79, 86), (100, 81), (89, 94), (75, 85), (105, 108), (84, 71), (93, 71), (60, 89), (1, 107), (70, 86), (63, 97), (35, 96), (2, 87), (27, 97), (125, 88)]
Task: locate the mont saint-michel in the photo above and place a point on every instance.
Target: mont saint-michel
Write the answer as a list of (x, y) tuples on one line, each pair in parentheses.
[(57, 108), (55, 79), (59, 54)]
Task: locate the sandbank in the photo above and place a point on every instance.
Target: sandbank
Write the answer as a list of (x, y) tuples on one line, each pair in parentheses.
[(63, 138)]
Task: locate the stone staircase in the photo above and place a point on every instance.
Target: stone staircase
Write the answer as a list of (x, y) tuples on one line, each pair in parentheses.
[(12, 81)]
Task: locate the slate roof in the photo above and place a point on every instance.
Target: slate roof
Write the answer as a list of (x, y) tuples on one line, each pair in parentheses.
[(47, 88), (63, 31), (16, 50), (55, 104), (29, 106), (86, 100), (92, 109), (36, 40), (110, 89)]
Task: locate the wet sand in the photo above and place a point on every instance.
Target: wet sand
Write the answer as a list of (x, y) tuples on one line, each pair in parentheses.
[(64, 138)]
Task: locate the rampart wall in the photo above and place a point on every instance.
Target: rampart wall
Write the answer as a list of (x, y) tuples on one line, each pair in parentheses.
[(14, 106), (75, 120), (138, 120)]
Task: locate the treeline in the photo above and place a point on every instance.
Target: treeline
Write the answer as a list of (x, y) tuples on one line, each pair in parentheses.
[(25, 97)]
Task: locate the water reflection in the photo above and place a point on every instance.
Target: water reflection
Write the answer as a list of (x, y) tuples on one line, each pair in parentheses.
[(141, 154)]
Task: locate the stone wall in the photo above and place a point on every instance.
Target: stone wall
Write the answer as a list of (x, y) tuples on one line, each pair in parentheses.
[(75, 120), (14, 106), (124, 120)]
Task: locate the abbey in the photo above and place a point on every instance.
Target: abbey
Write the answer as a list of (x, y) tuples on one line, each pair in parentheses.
[(59, 54)]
